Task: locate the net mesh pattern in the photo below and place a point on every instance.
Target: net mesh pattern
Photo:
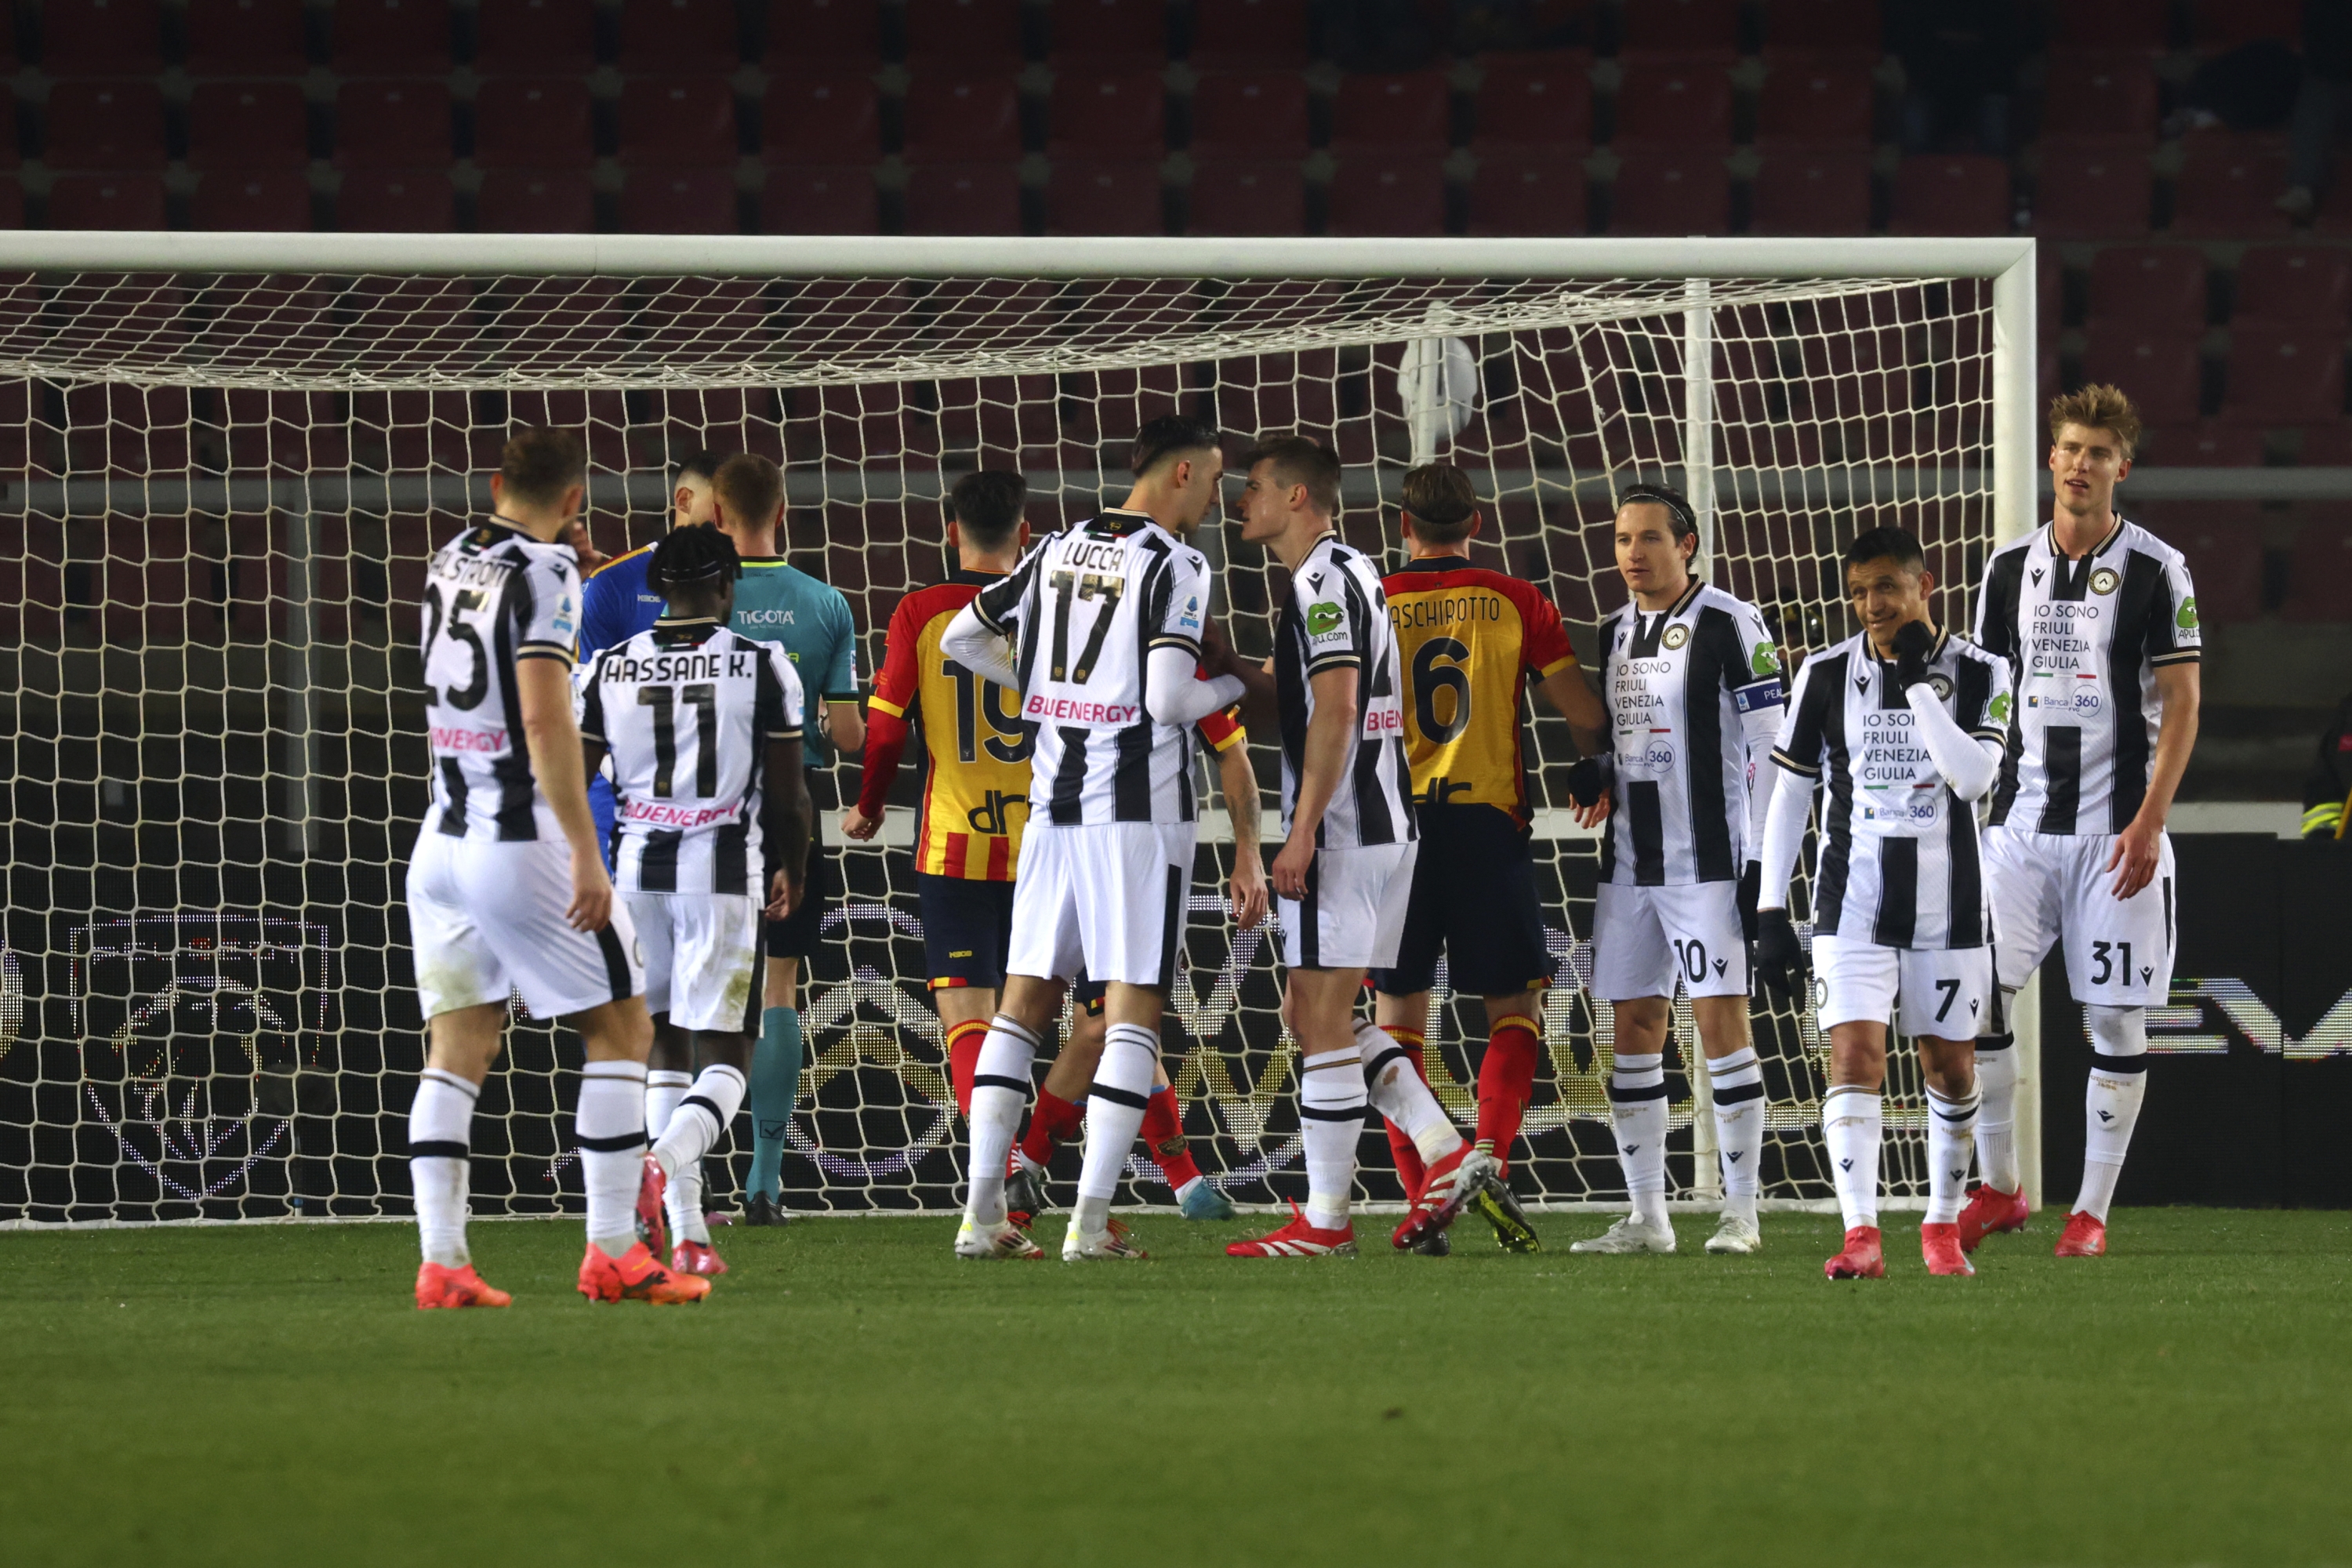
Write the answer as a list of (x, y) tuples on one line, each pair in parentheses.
[(226, 490)]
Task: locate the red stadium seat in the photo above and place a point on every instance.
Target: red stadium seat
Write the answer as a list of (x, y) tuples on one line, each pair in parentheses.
[(1248, 198), (679, 122), (248, 125), (822, 35), (534, 124), (965, 34), (2227, 186), (820, 200), (2226, 24), (2304, 286), (1831, 27), (534, 37), (1671, 190), (2223, 542), (396, 201), (1408, 112), (2112, 25), (1249, 115), (2325, 445), (1132, 31), (1523, 193), (695, 36), (2149, 288), (2317, 568), (536, 201), (392, 124), (963, 198), (404, 37), (2094, 190), (1089, 198), (1250, 35), (2162, 368), (1675, 102), (2102, 95), (1680, 26), (1535, 100), (1963, 195), (107, 201), (2283, 376), (245, 38), (104, 125), (690, 200), (276, 200), (1401, 195), (2201, 446), (101, 37), (1107, 113), (952, 115), (820, 120), (10, 157), (1818, 102), (1810, 190), (12, 209)]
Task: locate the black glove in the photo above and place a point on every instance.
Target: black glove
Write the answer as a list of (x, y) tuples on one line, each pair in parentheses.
[(1589, 778), (1780, 956), (1751, 883), (1912, 642)]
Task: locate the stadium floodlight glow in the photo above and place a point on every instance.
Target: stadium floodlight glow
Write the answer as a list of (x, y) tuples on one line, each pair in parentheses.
[(237, 449)]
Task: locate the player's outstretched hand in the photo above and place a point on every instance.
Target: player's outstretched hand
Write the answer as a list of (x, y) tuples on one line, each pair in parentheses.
[(1249, 890), (855, 824), (783, 895), (592, 891), (1780, 956), (1913, 641), (1290, 865), (2135, 857)]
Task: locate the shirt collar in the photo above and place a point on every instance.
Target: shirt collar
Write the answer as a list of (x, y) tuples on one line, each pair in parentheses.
[(1120, 522), (1437, 563), (961, 575), (2050, 541)]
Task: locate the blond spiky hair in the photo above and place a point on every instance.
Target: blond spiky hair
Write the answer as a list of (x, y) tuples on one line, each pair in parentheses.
[(2098, 407)]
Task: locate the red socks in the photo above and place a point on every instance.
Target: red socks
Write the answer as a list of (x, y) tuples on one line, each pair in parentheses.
[(1409, 1166), (1051, 1124), (963, 1059), (1505, 1078), (1163, 1135)]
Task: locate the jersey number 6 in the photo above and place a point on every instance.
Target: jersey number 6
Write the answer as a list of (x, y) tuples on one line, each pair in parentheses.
[(1430, 677)]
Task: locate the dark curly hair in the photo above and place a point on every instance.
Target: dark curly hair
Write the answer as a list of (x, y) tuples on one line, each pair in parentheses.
[(692, 555)]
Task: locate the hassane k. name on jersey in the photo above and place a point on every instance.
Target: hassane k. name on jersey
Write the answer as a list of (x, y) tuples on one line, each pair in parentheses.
[(1336, 617)]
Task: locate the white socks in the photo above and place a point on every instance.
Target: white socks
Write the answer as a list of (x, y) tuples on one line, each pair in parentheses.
[(1850, 1126), (1000, 1088), (1997, 1110), (1637, 1110), (665, 1086), (1115, 1106), (1399, 1093), (1737, 1081), (440, 1139), (693, 1131), (610, 1128), (2111, 1102), (1951, 1139), (1331, 1102)]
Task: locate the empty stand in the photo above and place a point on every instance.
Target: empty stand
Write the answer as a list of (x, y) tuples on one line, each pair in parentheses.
[(1810, 190), (245, 38), (2326, 445), (2225, 24), (817, 199), (1246, 198), (829, 35), (1249, 115), (2223, 543), (1534, 101), (1400, 194), (963, 198), (2227, 186), (536, 201), (276, 200), (1108, 113), (101, 37), (2318, 567), (2149, 287), (1956, 195), (2282, 375), (401, 124), (2202, 446), (679, 122), (117, 200), (1829, 27), (1090, 197), (1537, 194), (2102, 95), (679, 35), (542, 123), (2159, 363), (534, 37), (1682, 101), (1250, 34), (104, 125), (955, 115), (2301, 286), (10, 154), (1671, 191), (671, 200), (391, 37), (2108, 24), (964, 33), (377, 200), (827, 119), (1818, 102), (1134, 31), (2096, 190), (1680, 26), (248, 125), (1408, 112)]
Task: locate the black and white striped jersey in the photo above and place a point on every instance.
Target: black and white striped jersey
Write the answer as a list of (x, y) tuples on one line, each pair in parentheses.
[(1087, 607), (2084, 640), (492, 596), (1897, 848), (1336, 618), (686, 712), (1695, 697)]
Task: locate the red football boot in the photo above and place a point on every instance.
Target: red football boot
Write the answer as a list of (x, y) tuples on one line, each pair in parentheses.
[(437, 1284), (1298, 1240), (1940, 1244), (696, 1258), (1451, 1183), (653, 1221), (2085, 1238), (1990, 1210), (1861, 1259), (635, 1276)]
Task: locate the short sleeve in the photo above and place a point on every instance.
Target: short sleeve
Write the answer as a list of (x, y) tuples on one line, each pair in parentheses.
[(2173, 636), (544, 599), (841, 659), (901, 680), (1332, 618), (1755, 681), (1799, 749), (791, 707), (1179, 603), (1545, 646)]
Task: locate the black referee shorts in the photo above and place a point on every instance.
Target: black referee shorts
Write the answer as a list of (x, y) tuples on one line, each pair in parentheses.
[(1473, 900), (796, 935)]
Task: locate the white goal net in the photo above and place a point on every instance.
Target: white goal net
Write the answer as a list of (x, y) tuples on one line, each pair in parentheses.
[(226, 467)]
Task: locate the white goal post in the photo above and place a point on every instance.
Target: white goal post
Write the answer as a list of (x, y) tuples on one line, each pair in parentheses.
[(225, 455)]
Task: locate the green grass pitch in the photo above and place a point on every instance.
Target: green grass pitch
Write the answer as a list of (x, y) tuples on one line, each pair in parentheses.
[(851, 1394)]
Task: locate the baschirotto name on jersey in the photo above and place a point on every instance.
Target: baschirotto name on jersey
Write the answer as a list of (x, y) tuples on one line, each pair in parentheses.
[(679, 666), (1070, 710)]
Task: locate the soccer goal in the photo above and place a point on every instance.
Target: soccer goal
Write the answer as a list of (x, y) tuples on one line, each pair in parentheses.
[(227, 458)]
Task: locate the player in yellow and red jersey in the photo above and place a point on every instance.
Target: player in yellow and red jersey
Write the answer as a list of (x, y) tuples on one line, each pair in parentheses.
[(1467, 639)]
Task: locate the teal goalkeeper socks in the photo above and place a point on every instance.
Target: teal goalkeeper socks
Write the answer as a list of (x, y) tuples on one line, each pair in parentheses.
[(776, 1088)]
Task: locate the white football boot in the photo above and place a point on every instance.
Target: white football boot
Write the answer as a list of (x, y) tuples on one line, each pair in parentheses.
[(1002, 1239), (1113, 1243), (1737, 1234), (1632, 1233)]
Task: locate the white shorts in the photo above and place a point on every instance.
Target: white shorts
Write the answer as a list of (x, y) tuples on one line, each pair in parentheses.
[(1945, 991), (2052, 887), (1353, 914), (701, 953), (1647, 940), (486, 920), (1107, 899)]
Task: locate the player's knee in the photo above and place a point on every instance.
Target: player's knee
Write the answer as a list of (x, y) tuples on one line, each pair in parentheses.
[(2118, 1031)]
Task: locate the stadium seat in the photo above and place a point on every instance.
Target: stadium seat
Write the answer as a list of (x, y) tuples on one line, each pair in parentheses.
[(964, 34), (1398, 195), (391, 37), (107, 201), (2201, 446), (2304, 286), (534, 124), (810, 199), (2094, 190), (695, 36), (534, 37), (2226, 24), (2318, 567), (821, 35), (679, 122), (679, 200), (273, 199), (2227, 186), (1680, 27), (1408, 112), (1246, 198), (1104, 113), (1536, 195), (536, 201), (2107, 25), (2105, 96), (1818, 102), (1801, 190), (1250, 35), (10, 155), (12, 207), (1094, 197), (1829, 27), (1681, 102), (2325, 445), (1133, 32), (392, 124), (2162, 367), (2149, 288), (963, 198), (1249, 115), (104, 125), (101, 37), (245, 38), (820, 120), (1961, 194), (248, 125), (1671, 190), (2223, 542), (396, 201), (1535, 100), (952, 115), (2282, 375)]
